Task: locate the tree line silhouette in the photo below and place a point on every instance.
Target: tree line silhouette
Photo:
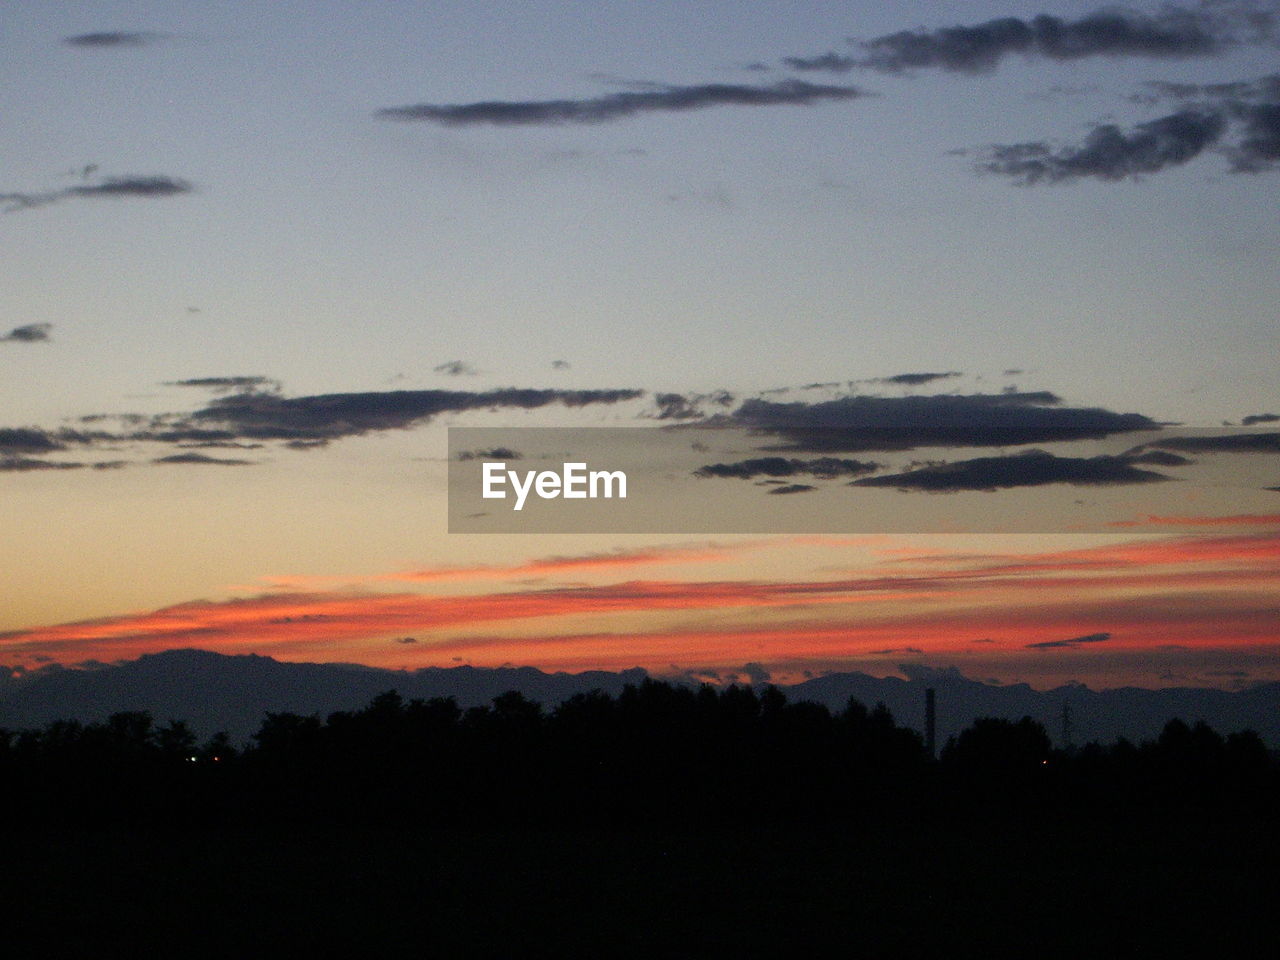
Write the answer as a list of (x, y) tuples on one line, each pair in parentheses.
[(655, 753)]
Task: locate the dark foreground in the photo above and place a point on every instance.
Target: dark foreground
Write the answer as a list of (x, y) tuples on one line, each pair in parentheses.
[(1192, 884), (665, 823)]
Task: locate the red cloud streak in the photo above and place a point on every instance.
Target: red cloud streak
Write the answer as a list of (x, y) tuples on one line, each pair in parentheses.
[(1215, 592)]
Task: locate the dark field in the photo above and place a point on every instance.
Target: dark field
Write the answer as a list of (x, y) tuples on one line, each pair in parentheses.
[(666, 823), (1190, 884)]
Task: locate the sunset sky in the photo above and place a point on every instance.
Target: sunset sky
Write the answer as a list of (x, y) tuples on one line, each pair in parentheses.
[(927, 269)]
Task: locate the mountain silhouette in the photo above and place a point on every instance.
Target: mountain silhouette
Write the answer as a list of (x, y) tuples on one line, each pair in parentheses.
[(215, 692)]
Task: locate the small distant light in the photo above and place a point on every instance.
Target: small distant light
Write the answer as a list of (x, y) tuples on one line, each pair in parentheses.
[(191, 759)]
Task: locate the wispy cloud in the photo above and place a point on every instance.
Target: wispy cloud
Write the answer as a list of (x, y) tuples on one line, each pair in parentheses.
[(12, 464), (830, 62), (201, 459), (133, 186), (492, 453), (619, 559), (1070, 643), (1265, 88), (456, 368), (1226, 443), (917, 379), (229, 384), (114, 39), (1208, 593), (332, 416), (1234, 520), (1206, 29), (825, 468), (617, 106), (251, 410), (28, 464)]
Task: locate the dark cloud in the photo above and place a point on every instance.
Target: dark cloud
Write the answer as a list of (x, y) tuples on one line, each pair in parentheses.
[(15, 463), (28, 440), (1227, 443), (31, 333), (229, 384), (113, 39), (1069, 643), (793, 488), (497, 453), (406, 640), (756, 672), (675, 406), (615, 106), (1255, 418), (680, 406), (108, 187), (156, 186), (560, 364), (902, 423), (1240, 120), (202, 459), (1109, 153), (26, 465), (917, 379), (1033, 468), (312, 419), (825, 468), (1174, 32), (1258, 149), (456, 368)]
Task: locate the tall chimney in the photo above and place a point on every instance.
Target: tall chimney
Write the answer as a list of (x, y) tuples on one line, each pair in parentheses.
[(930, 724)]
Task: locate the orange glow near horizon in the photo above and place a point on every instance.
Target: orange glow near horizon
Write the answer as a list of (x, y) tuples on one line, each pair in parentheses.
[(1186, 598)]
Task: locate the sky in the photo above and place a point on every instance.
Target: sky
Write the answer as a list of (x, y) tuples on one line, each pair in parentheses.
[(985, 290)]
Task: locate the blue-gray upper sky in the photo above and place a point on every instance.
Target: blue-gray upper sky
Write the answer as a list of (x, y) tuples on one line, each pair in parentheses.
[(201, 189)]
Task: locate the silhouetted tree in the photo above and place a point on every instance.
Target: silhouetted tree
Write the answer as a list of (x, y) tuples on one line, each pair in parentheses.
[(995, 745), (175, 740)]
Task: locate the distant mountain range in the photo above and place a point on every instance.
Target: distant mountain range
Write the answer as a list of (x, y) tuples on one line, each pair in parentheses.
[(213, 692)]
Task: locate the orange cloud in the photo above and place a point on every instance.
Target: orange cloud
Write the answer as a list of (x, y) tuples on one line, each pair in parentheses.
[(1207, 592), (607, 560), (538, 567), (1236, 520)]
